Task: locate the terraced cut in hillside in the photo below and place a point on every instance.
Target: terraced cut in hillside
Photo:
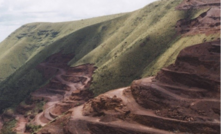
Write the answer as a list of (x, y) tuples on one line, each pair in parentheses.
[(175, 42), (64, 91), (180, 99), (115, 44), (208, 23)]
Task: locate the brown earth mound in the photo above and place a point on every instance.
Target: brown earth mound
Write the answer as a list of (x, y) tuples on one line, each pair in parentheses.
[(101, 105)]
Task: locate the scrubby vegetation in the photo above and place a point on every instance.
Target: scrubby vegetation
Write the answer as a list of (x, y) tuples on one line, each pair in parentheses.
[(8, 127), (32, 128)]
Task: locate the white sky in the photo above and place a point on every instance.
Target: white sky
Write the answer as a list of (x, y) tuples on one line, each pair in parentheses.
[(15, 13)]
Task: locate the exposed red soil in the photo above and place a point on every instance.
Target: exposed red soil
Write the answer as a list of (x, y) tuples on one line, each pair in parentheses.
[(163, 104), (195, 4), (67, 88), (206, 23), (196, 66), (155, 105), (101, 105), (58, 105), (182, 98), (108, 113), (20, 127), (187, 92)]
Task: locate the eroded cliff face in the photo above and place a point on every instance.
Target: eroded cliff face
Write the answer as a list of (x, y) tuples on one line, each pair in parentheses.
[(187, 91)]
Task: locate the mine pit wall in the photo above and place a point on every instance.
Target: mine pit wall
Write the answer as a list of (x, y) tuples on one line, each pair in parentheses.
[(192, 80), (196, 4), (179, 125)]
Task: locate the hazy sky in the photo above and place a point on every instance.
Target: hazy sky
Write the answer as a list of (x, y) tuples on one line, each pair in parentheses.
[(14, 13)]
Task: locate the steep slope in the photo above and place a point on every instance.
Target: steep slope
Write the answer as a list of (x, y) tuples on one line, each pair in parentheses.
[(31, 44), (182, 98), (124, 47), (188, 90), (145, 42), (29, 40)]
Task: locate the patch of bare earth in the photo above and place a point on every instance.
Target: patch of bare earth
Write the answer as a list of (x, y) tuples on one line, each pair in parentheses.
[(206, 23), (196, 4), (66, 89), (182, 98)]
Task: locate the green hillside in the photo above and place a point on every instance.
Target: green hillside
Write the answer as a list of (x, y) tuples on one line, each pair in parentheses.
[(124, 47), (28, 46), (141, 45)]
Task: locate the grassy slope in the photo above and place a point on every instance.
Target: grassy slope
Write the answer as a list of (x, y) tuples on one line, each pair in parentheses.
[(29, 40), (27, 47), (121, 58), (141, 45), (124, 47)]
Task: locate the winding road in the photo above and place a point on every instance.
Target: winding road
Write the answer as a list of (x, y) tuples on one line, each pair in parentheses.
[(78, 119), (129, 101), (53, 98)]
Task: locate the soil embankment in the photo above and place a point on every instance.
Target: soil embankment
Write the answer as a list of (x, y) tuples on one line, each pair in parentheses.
[(180, 99), (207, 22)]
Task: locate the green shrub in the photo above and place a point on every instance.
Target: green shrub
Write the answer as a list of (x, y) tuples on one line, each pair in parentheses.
[(8, 126), (32, 128)]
